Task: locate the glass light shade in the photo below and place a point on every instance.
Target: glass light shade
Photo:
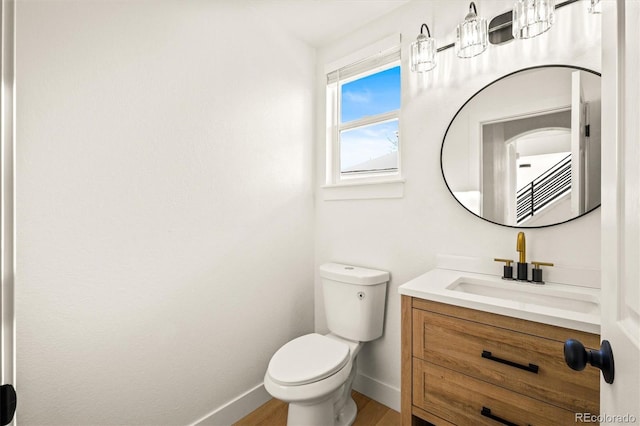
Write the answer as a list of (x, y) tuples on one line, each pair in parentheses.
[(423, 54), (595, 7), (533, 17), (472, 36)]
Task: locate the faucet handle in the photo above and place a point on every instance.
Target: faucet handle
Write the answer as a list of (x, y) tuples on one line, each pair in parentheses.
[(507, 273), (536, 271)]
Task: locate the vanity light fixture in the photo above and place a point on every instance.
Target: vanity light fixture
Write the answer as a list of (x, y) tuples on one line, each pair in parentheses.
[(528, 19), (472, 35), (532, 17), (595, 7), (423, 52)]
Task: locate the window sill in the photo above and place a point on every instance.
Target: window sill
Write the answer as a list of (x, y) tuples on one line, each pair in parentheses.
[(364, 190)]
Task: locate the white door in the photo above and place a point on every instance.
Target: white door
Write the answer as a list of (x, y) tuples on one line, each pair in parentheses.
[(620, 401), (7, 374)]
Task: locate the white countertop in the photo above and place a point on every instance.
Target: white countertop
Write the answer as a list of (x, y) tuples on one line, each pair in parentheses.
[(437, 284)]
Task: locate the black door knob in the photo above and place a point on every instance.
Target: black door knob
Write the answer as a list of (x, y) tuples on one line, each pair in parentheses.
[(8, 401), (577, 357)]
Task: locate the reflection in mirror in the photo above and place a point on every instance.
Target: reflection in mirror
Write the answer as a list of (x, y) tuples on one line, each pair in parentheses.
[(525, 150)]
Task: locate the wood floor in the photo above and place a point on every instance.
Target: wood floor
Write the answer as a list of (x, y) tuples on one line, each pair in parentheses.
[(370, 413)]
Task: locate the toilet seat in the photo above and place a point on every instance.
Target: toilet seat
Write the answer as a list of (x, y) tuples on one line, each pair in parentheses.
[(307, 359)]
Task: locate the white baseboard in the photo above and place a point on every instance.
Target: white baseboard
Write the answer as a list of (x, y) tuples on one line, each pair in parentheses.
[(244, 404), (235, 409), (383, 393)]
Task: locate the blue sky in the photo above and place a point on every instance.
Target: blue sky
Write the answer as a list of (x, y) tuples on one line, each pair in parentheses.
[(371, 95), (366, 143)]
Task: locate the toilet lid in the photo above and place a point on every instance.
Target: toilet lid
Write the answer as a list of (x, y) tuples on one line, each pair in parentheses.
[(307, 359)]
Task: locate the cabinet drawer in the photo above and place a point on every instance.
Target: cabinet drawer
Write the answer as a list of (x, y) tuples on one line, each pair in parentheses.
[(462, 400), (530, 365)]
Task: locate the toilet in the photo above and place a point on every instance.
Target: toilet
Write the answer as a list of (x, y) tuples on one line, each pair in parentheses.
[(314, 373)]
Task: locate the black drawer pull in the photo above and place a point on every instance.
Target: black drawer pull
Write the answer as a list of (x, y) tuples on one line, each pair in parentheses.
[(487, 413), (531, 367)]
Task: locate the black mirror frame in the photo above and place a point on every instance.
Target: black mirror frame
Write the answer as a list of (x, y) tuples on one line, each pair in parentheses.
[(469, 100)]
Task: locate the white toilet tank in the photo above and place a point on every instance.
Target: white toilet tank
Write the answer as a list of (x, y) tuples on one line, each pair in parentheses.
[(354, 300)]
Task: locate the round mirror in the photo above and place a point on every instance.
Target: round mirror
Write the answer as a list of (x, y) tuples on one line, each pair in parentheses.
[(525, 150)]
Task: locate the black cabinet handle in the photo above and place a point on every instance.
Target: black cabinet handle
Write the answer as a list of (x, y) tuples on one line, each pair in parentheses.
[(487, 413), (531, 367)]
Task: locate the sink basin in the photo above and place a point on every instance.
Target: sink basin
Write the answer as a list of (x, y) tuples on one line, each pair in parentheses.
[(573, 306), (529, 294)]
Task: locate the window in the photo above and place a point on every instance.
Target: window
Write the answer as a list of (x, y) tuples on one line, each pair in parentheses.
[(363, 106)]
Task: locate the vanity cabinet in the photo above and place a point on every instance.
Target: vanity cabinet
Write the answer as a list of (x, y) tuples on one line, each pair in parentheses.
[(466, 367)]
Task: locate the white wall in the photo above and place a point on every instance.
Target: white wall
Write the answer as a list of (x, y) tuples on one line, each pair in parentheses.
[(404, 235), (164, 210)]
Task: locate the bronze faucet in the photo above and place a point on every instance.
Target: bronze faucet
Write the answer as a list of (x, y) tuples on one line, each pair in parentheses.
[(522, 270), (522, 267), (521, 247)]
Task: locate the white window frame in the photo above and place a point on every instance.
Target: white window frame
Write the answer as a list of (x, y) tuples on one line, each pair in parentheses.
[(372, 64)]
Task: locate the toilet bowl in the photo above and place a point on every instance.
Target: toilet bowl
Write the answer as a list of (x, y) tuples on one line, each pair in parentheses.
[(314, 374)]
